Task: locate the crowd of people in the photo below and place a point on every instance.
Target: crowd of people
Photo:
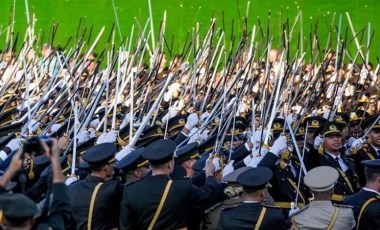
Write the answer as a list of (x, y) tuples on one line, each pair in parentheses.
[(259, 140)]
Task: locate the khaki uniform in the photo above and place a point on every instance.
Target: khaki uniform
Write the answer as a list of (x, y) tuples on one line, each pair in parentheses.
[(213, 213), (320, 215)]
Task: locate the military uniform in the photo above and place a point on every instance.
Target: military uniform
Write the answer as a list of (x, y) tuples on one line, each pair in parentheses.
[(321, 213), (366, 203), (213, 213), (251, 214), (141, 200), (96, 194), (367, 152), (371, 216), (247, 215), (348, 182), (284, 182)]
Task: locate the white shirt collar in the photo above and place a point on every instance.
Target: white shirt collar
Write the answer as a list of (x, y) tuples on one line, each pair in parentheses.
[(250, 202), (371, 190), (333, 156), (376, 149)]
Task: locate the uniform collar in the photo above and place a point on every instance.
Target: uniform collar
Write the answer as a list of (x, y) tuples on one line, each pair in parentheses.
[(371, 190)]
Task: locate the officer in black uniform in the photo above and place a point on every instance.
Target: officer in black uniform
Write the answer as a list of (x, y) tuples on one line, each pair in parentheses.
[(330, 155), (251, 214), (158, 201), (95, 200), (370, 149), (366, 202)]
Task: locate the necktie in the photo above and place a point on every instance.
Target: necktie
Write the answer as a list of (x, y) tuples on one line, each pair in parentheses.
[(378, 153), (337, 161)]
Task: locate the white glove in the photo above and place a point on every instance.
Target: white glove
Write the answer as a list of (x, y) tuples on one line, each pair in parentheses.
[(215, 161), (192, 121), (204, 134), (83, 136), (123, 153), (111, 137), (358, 143), (33, 126), (255, 161), (55, 127), (126, 120), (92, 132), (229, 168), (101, 138), (194, 136), (71, 180), (247, 159), (350, 141), (14, 144), (264, 151), (317, 142), (94, 123), (279, 145), (204, 116)]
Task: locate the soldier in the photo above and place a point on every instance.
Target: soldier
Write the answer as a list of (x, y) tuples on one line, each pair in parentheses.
[(286, 175), (366, 202), (19, 211), (321, 213), (95, 200), (370, 150), (134, 166), (233, 191), (186, 157), (158, 201), (329, 155), (251, 213)]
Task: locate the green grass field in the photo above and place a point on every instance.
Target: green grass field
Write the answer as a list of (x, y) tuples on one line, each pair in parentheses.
[(182, 15)]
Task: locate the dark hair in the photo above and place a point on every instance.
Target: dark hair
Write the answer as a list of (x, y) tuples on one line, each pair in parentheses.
[(371, 176)]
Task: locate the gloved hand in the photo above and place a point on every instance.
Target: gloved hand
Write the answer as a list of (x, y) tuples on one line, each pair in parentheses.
[(111, 137), (83, 136), (317, 142), (55, 127), (279, 145), (33, 126), (15, 144), (216, 164), (194, 135), (358, 143), (71, 180), (255, 161), (247, 159), (192, 121), (94, 123), (350, 141), (101, 138), (229, 168), (92, 132), (123, 153), (204, 135)]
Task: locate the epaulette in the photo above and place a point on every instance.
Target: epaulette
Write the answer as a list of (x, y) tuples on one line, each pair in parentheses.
[(212, 208), (271, 206), (228, 208), (299, 211), (343, 206)]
